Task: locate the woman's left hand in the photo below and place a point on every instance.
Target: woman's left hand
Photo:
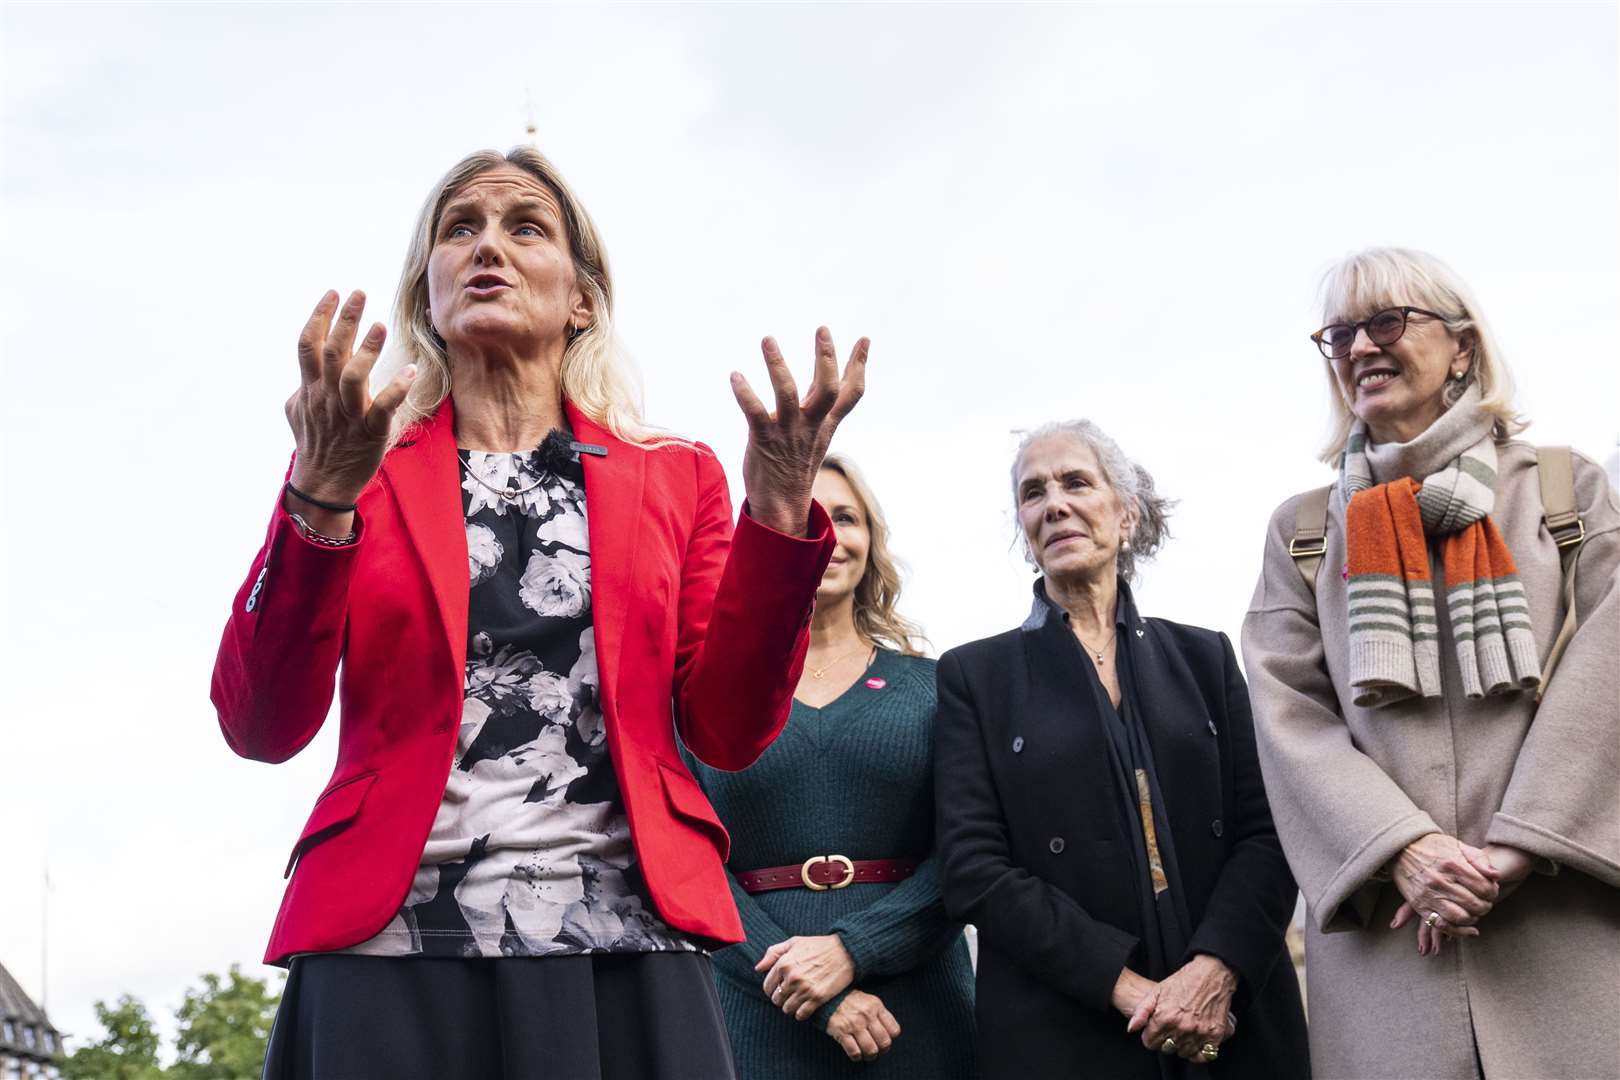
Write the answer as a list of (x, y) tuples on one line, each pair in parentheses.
[(1512, 866), (1191, 1006), (805, 973), (785, 448)]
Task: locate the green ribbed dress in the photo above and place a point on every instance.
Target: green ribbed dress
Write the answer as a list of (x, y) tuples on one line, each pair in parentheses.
[(852, 778)]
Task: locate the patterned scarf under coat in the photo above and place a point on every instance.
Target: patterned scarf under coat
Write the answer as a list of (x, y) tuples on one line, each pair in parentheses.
[(1389, 519)]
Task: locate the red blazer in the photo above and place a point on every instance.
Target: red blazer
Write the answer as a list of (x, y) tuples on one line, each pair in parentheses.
[(696, 628)]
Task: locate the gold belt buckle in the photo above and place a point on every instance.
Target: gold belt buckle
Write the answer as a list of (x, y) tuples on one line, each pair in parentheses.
[(849, 872)]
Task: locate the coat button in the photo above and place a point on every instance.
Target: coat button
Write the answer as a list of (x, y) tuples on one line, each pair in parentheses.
[(1055, 845), (1018, 744), (1216, 827)]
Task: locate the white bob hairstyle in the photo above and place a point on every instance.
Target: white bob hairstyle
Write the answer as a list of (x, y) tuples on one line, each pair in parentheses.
[(1384, 277)]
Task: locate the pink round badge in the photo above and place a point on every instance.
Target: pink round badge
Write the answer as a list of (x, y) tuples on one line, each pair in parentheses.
[(877, 684)]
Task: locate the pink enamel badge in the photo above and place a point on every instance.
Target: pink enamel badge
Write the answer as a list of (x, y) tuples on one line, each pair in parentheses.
[(877, 684)]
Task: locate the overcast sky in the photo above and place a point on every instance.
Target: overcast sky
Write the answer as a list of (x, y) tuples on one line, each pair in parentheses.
[(1034, 212)]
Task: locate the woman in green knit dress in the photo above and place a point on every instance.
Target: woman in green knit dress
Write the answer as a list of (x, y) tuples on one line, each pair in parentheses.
[(851, 966)]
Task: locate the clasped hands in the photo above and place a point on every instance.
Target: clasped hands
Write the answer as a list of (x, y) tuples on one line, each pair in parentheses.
[(1192, 1006), (804, 973), (1448, 886)]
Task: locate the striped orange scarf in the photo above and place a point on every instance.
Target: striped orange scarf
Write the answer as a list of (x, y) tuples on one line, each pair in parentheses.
[(1394, 627)]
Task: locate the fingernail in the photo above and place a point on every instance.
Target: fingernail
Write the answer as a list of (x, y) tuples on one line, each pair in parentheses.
[(410, 372)]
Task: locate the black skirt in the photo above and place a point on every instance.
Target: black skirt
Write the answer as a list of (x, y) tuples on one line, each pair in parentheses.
[(604, 1016)]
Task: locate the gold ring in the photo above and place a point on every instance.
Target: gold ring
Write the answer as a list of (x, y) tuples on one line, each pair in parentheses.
[(1168, 1046), (1209, 1053), (1431, 918)]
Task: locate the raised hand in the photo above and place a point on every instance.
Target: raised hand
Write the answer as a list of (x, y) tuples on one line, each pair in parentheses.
[(341, 430), (803, 973), (863, 1026), (785, 447)]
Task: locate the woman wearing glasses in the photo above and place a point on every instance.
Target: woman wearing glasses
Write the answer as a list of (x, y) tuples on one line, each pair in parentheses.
[(1447, 803)]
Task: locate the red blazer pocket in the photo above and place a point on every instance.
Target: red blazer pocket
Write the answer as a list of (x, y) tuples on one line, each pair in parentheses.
[(334, 811), (689, 802)]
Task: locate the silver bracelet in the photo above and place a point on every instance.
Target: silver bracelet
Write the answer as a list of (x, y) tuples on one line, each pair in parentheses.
[(308, 532)]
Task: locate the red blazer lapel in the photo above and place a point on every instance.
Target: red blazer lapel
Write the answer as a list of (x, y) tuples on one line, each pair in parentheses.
[(613, 492), (425, 477)]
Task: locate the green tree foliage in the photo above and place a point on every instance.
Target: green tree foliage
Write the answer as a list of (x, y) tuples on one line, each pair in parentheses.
[(223, 1027), (127, 1050)]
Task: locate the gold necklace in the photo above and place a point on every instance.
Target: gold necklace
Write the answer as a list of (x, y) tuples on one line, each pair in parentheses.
[(816, 673), (1096, 654)]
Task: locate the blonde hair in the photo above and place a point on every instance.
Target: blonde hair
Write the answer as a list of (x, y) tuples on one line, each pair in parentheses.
[(877, 594), (1383, 277), (597, 374)]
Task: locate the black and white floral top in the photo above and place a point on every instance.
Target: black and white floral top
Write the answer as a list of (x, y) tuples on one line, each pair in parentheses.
[(530, 852)]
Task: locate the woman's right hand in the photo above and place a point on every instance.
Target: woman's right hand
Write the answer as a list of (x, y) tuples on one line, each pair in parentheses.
[(1441, 874), (863, 1026), (341, 430)]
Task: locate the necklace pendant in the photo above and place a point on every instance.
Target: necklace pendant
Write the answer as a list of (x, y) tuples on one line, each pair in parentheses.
[(818, 674)]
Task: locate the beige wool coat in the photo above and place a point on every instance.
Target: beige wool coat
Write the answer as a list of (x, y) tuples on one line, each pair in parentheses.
[(1539, 990)]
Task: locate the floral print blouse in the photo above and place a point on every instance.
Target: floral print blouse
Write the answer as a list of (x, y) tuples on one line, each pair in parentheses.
[(530, 852)]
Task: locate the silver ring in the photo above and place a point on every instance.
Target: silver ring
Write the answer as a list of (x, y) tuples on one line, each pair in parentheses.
[(1431, 918)]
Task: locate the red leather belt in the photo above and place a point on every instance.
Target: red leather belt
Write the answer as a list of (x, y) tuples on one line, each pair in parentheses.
[(821, 872)]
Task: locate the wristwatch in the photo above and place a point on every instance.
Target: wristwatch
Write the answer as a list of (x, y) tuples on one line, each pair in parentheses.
[(308, 533)]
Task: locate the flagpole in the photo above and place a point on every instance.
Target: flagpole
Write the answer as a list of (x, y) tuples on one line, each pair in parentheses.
[(45, 937)]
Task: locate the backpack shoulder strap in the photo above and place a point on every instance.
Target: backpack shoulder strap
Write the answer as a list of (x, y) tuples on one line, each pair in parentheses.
[(1555, 468), (1310, 533)]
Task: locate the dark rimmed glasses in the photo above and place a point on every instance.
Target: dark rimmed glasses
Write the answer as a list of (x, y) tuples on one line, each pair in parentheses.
[(1383, 328)]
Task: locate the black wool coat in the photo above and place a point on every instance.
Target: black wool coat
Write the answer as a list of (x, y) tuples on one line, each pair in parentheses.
[(1036, 852)]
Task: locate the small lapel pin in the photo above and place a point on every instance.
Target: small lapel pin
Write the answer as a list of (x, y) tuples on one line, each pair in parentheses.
[(877, 684), (1139, 633), (588, 448)]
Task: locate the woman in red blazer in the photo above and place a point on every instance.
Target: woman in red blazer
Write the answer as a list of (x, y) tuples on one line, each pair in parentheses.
[(511, 873)]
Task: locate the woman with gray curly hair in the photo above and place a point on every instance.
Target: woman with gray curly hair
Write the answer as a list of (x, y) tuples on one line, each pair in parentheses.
[(1101, 817)]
